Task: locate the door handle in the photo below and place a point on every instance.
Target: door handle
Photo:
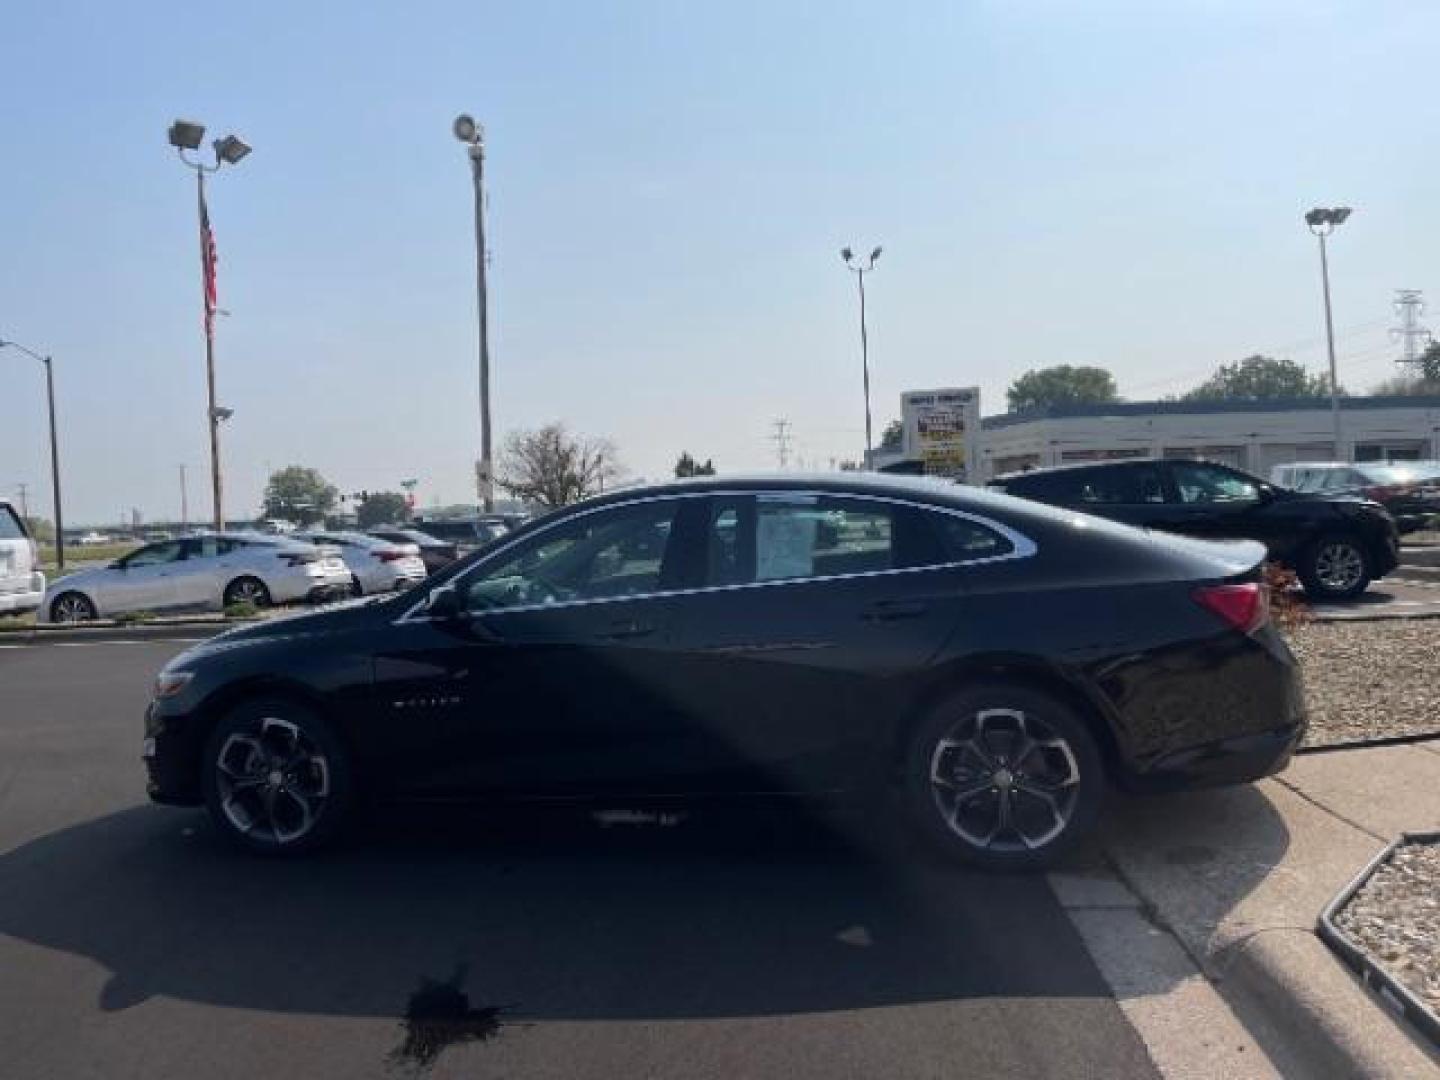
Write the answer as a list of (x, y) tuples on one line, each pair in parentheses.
[(892, 610), (623, 629)]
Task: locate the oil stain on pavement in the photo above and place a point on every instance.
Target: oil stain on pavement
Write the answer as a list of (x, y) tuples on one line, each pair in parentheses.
[(439, 1015)]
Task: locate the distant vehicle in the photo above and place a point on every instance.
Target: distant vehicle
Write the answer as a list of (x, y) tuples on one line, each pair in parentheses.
[(210, 572), (376, 565), (93, 539), (436, 554), (156, 535), (467, 534), (22, 585), (987, 666), (1337, 544), (277, 527), (1409, 490)]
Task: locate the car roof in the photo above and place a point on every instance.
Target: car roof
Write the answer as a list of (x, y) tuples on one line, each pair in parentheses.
[(1076, 466)]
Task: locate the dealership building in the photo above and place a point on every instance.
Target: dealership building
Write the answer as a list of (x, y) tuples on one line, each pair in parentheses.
[(1251, 435)]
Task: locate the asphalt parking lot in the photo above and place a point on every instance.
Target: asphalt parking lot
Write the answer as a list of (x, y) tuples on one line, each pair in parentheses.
[(133, 944)]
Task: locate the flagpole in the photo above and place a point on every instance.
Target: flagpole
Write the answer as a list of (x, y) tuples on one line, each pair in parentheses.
[(206, 272)]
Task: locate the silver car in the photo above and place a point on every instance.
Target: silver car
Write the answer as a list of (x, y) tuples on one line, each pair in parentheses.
[(377, 566), (212, 572)]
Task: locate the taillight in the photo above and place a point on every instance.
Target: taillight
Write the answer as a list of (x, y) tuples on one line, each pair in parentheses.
[(1244, 607), (390, 556)]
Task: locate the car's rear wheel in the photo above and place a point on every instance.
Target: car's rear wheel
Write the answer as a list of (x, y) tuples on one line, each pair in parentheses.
[(1003, 777), (1335, 568), (247, 590), (72, 607), (277, 780)]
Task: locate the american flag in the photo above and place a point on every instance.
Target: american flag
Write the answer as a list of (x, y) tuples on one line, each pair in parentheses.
[(207, 262)]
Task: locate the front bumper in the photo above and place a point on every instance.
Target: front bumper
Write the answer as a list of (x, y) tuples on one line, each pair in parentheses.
[(14, 603), (171, 760)]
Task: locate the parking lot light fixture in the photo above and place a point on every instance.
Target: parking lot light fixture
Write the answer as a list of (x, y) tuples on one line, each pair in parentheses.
[(860, 270), (54, 446), (185, 136), (1322, 222), (468, 131)]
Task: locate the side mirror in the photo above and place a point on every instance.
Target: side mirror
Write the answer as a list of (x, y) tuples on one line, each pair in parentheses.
[(444, 604)]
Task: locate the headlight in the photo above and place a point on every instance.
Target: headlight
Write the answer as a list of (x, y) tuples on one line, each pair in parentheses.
[(170, 683)]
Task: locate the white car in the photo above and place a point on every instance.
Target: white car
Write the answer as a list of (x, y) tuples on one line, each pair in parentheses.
[(208, 572), (21, 582), (377, 566)]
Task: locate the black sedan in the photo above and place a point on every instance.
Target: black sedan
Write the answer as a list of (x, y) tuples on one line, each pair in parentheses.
[(1336, 543), (990, 661)]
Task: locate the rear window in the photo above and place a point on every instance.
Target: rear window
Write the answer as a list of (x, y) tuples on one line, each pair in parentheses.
[(10, 526)]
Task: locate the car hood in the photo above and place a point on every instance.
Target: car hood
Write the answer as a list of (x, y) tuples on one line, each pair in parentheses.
[(333, 618), (80, 579)]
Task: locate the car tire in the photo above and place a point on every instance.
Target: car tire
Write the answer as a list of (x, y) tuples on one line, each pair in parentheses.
[(72, 607), (1335, 567), (277, 781), (1003, 777), (247, 590)]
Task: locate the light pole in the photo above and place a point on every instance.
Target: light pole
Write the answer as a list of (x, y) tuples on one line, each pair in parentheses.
[(473, 135), (1322, 223), (54, 448), (186, 135), (860, 272)]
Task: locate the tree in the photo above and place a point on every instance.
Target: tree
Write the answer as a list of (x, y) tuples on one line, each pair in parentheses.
[(1259, 377), (688, 466), (1061, 385), (893, 437), (298, 494), (40, 529), (383, 508), (550, 467)]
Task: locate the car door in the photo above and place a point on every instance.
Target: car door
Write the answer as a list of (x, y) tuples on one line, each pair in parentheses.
[(555, 678), (819, 613), (144, 580), (198, 579), (1218, 503)]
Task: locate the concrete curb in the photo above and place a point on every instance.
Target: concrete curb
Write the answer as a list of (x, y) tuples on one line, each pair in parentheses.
[(1312, 1016), (1426, 555), (147, 631)]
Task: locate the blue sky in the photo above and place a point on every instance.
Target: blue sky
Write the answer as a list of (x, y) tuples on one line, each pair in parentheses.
[(1113, 183)]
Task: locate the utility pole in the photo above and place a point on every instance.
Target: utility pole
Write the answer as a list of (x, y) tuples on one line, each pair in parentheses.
[(781, 439), (473, 135), (184, 502), (24, 504), (1413, 337), (54, 446)]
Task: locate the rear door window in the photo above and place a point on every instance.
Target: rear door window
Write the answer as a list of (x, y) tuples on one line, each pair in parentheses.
[(1126, 485), (1201, 482)]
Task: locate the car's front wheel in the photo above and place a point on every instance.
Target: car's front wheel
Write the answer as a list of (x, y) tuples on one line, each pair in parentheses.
[(1003, 777), (72, 607), (277, 780), (1335, 568)]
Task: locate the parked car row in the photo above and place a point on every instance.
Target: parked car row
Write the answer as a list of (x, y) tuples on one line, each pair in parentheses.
[(1409, 490), (1336, 542)]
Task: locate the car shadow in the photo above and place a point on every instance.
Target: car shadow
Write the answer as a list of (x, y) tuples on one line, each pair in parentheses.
[(551, 916)]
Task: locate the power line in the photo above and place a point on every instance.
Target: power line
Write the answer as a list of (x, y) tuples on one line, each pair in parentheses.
[(781, 439), (1413, 337)]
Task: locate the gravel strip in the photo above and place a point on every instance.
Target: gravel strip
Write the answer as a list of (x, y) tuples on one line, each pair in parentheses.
[(1395, 917), (1369, 680)]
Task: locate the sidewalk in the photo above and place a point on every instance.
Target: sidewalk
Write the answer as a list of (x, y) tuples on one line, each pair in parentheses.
[(1241, 874)]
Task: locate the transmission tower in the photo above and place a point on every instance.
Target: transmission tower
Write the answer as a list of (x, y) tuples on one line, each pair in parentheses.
[(781, 439), (1413, 337)]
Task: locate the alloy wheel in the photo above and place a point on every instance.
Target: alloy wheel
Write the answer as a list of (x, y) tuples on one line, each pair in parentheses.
[(249, 591), (1003, 780), (273, 781), (72, 608), (1339, 566)]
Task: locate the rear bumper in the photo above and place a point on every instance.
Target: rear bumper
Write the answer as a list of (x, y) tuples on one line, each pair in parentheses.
[(16, 602), (1236, 760)]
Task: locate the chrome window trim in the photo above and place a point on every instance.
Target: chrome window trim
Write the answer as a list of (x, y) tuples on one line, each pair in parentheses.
[(1021, 547)]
